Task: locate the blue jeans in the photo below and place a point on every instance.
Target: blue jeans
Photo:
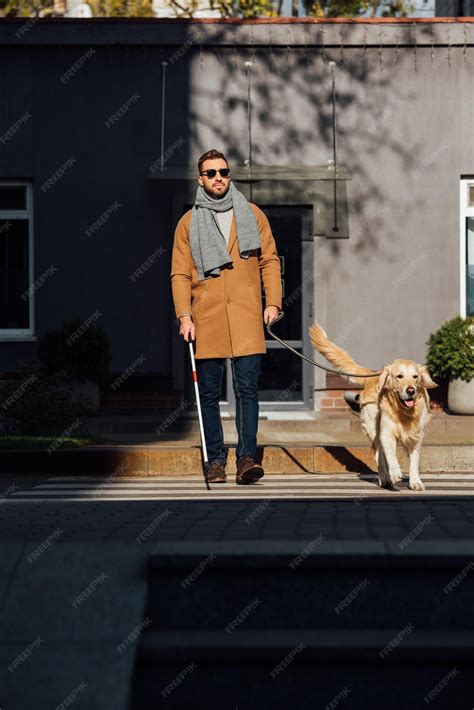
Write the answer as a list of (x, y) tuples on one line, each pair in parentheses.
[(245, 373)]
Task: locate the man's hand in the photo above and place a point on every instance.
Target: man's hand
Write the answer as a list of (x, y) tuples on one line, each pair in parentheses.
[(270, 313), (186, 328)]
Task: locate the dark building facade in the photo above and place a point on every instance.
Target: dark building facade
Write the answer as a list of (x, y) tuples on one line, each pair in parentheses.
[(101, 124)]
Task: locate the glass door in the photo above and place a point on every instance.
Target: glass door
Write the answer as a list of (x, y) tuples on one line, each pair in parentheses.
[(286, 381)]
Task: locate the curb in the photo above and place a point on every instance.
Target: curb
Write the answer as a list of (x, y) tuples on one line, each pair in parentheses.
[(123, 461)]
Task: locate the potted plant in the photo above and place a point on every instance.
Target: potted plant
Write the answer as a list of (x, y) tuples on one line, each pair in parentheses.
[(82, 352), (451, 358)]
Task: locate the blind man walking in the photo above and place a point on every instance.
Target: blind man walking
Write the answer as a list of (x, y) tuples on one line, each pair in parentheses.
[(223, 250)]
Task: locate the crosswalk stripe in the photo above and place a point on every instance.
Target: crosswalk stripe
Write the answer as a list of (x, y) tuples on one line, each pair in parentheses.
[(284, 485), (273, 486), (251, 491), (449, 476), (233, 493), (255, 496)]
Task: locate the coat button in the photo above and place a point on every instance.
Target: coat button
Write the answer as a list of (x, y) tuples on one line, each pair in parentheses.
[(228, 300)]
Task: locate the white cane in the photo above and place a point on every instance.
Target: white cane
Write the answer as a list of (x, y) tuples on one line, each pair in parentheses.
[(198, 402)]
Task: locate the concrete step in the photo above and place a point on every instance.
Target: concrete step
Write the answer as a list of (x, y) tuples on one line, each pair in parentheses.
[(179, 460), (177, 422), (366, 644), (221, 612), (305, 669), (303, 627), (320, 438), (313, 585)]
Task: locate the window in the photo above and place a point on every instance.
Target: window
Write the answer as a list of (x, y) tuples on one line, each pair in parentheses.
[(16, 272), (470, 266), (467, 247)]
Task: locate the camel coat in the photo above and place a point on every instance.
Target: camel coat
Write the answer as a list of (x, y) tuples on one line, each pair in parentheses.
[(227, 309)]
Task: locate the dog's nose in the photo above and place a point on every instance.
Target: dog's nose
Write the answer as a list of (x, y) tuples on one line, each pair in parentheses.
[(410, 390)]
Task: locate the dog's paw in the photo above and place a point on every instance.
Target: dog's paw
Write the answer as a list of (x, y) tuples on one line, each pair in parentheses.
[(416, 485), (389, 485), (395, 479)]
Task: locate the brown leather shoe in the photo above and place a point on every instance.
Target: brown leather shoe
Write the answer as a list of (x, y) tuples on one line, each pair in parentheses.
[(216, 472), (248, 471)]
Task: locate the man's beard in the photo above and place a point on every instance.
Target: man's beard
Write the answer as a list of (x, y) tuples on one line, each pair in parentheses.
[(214, 194)]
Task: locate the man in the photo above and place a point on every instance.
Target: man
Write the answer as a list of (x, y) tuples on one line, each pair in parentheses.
[(222, 249)]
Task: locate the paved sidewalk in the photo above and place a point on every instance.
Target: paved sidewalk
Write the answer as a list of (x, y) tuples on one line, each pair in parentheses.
[(55, 550), (384, 516), (66, 607)]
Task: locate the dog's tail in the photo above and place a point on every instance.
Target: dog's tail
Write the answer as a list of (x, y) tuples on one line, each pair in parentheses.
[(337, 356)]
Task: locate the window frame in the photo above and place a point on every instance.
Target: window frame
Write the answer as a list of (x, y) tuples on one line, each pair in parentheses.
[(465, 212), (18, 334)]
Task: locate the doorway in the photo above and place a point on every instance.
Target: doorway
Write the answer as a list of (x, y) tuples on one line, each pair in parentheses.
[(286, 381)]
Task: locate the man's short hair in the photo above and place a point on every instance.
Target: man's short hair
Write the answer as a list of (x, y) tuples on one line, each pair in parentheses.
[(210, 155)]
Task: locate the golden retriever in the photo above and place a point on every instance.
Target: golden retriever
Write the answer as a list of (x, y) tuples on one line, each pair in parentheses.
[(394, 407)]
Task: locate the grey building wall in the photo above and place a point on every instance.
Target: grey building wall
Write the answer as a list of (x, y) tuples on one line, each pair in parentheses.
[(110, 169), (405, 114)]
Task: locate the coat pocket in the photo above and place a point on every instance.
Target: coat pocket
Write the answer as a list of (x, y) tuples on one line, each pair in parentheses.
[(199, 305), (255, 301)]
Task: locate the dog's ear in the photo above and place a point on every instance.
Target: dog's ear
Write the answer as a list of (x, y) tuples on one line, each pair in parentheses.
[(383, 378), (425, 377)]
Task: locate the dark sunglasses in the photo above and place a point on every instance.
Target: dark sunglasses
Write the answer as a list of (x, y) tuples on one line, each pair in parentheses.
[(212, 173)]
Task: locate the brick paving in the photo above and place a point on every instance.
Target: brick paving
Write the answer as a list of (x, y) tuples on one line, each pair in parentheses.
[(113, 539), (388, 517)]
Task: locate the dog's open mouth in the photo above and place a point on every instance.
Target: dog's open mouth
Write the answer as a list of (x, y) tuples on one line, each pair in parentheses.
[(408, 403)]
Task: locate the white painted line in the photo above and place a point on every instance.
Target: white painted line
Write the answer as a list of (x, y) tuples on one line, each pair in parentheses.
[(284, 480), (274, 484), (231, 493), (184, 485), (218, 496), (196, 485), (164, 491)]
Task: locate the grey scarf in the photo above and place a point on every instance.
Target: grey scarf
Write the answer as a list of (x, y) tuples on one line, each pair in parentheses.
[(208, 246)]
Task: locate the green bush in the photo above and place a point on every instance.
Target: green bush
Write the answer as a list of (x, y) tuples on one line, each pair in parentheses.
[(37, 404), (83, 356), (451, 350)]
